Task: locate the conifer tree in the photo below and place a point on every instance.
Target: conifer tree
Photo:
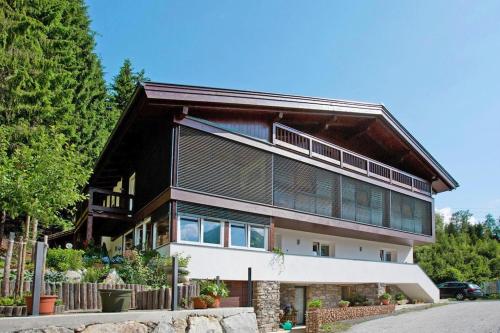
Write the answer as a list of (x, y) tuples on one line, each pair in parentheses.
[(124, 84)]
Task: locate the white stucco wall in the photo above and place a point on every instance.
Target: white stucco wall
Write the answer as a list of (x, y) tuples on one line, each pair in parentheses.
[(232, 264), (300, 243)]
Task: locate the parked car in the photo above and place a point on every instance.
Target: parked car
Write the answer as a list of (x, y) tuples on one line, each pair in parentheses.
[(459, 290)]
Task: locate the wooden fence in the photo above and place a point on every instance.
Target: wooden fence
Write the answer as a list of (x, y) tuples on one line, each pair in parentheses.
[(162, 298), (85, 296)]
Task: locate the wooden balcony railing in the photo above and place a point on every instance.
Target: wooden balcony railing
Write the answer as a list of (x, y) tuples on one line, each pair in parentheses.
[(106, 201), (316, 148)]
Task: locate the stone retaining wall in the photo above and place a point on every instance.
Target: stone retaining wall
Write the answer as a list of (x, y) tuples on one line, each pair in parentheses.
[(227, 320), (316, 318)]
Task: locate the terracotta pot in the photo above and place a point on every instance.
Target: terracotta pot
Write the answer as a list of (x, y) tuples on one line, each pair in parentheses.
[(199, 303), (216, 303), (386, 301), (47, 303)]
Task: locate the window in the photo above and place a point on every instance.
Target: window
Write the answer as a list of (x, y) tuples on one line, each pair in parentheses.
[(248, 235), (238, 235), (257, 237), (321, 250), (387, 255), (139, 237), (189, 229), (200, 230), (211, 232), (160, 233)]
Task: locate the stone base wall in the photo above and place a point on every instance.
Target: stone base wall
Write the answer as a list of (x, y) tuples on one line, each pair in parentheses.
[(221, 320), (287, 294), (329, 294), (316, 318), (266, 302)]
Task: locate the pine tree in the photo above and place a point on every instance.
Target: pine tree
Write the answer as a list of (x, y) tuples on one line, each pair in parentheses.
[(124, 84), (54, 108)]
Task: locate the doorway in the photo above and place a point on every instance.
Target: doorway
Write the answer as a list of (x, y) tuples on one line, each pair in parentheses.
[(300, 304)]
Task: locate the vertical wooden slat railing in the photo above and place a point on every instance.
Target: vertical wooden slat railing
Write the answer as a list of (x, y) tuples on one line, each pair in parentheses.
[(306, 144)]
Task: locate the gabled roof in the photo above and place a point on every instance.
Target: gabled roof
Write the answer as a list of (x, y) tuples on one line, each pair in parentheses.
[(184, 95), (194, 94)]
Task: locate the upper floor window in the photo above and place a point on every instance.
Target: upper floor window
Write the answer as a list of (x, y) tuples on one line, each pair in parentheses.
[(200, 230), (248, 235), (321, 249)]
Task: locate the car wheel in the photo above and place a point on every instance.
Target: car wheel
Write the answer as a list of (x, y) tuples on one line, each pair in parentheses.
[(460, 297)]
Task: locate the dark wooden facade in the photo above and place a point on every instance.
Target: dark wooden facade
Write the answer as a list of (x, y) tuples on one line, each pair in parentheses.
[(146, 143)]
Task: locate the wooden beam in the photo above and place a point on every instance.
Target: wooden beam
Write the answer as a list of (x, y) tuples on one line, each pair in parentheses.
[(362, 130), (277, 117), (329, 123)]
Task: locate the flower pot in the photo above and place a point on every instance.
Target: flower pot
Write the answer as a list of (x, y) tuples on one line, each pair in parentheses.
[(216, 303), (386, 301), (46, 304), (199, 303), (115, 300)]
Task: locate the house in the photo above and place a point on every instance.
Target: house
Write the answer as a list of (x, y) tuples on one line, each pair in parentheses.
[(321, 198)]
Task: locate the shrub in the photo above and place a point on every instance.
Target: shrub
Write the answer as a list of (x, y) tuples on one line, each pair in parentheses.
[(6, 301), (386, 296), (95, 274), (315, 304), (210, 287), (64, 259), (400, 297), (343, 303), (59, 302), (207, 299), (55, 277), (357, 299)]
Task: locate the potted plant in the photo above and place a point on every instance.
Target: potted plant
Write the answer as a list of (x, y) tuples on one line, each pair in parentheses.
[(215, 290), (47, 303), (59, 306), (115, 300), (385, 298), (314, 304), (401, 299), (203, 301), (344, 304)]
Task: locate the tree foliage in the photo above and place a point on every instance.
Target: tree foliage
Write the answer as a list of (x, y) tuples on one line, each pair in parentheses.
[(54, 112), (124, 84), (463, 251)]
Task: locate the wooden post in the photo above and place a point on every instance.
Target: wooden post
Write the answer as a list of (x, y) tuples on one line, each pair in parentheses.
[(6, 268), (175, 272), (37, 281), (44, 264), (19, 278), (249, 287)]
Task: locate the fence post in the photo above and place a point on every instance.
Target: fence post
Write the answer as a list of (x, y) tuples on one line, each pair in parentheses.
[(217, 280), (249, 288), (6, 269), (37, 280), (175, 272)]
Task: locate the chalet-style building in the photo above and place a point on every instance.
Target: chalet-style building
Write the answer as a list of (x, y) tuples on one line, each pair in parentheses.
[(228, 176)]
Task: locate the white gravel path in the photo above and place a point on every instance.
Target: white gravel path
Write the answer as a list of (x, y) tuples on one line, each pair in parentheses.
[(467, 317)]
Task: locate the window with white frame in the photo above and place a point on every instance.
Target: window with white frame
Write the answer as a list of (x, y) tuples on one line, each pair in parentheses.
[(248, 235), (200, 230)]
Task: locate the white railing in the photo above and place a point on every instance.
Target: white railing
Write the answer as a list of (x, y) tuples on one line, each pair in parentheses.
[(316, 148)]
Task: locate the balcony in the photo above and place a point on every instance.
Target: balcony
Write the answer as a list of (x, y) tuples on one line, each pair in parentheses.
[(315, 148), (106, 202)]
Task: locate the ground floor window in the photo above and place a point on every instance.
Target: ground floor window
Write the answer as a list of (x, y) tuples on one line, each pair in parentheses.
[(200, 230), (128, 241)]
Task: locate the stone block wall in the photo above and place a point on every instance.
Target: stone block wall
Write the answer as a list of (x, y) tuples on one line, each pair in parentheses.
[(266, 302), (329, 294), (316, 318), (287, 294)]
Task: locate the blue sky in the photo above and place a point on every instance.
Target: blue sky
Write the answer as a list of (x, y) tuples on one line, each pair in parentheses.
[(434, 64)]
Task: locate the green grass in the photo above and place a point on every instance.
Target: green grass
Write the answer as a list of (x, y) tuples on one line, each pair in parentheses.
[(334, 327)]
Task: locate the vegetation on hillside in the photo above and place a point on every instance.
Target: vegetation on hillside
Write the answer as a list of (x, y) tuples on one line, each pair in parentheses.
[(56, 112), (463, 251)]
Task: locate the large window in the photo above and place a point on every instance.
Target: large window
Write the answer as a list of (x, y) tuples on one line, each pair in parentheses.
[(363, 202), (321, 250), (200, 230), (305, 188), (248, 236), (410, 214)]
